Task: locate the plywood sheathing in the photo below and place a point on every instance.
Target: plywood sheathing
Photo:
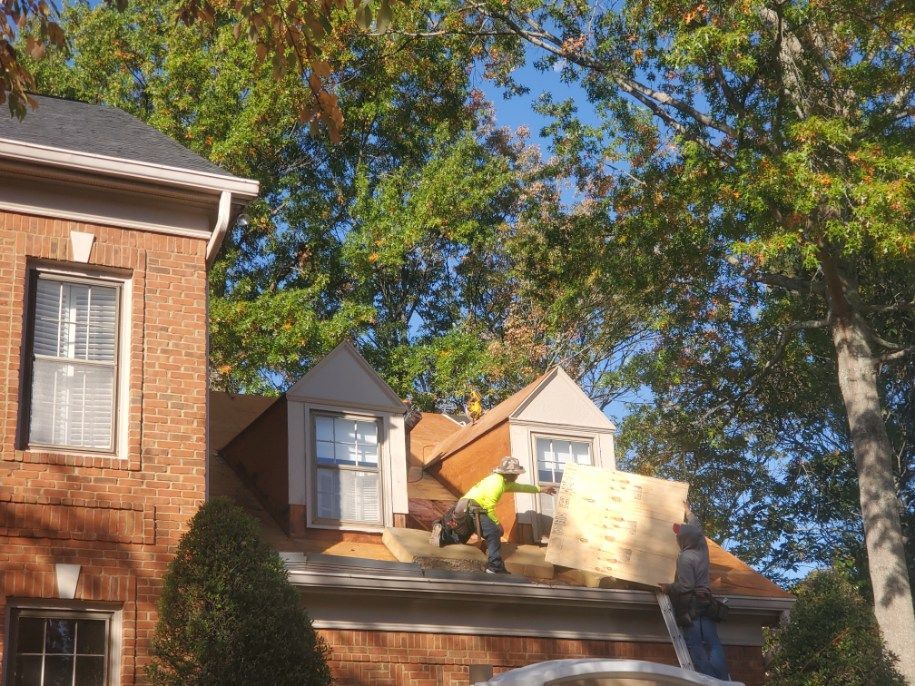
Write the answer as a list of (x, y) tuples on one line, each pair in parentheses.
[(230, 414), (617, 524), (475, 461), (427, 487), (431, 430), (492, 418), (412, 545), (731, 575)]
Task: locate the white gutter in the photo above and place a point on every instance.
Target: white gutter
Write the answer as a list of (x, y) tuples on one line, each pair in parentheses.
[(495, 591), (243, 189), (219, 229)]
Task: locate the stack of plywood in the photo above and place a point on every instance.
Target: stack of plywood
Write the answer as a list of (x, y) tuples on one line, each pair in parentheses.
[(617, 524)]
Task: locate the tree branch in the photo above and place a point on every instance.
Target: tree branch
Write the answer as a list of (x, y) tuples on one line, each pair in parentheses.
[(898, 355), (654, 100)]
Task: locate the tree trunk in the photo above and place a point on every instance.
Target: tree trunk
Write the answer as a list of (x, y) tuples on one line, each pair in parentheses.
[(873, 459)]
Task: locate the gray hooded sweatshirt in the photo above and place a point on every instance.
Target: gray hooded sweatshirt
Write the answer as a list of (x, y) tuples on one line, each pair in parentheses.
[(692, 562)]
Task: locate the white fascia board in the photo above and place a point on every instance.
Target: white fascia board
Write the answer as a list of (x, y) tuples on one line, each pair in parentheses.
[(142, 171), (507, 592)]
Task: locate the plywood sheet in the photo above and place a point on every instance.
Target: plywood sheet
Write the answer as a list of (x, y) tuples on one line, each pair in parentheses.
[(617, 524)]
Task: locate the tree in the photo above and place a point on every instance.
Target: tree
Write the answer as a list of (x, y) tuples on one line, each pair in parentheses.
[(831, 638), (293, 37), (228, 615), (775, 138)]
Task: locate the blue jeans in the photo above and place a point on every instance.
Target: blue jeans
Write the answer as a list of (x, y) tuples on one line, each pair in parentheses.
[(705, 647), (491, 534)]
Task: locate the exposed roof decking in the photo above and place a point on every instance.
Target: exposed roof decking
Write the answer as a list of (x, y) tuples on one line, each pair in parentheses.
[(230, 414), (431, 430), (490, 420)]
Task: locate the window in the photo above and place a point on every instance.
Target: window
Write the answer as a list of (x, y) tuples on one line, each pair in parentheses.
[(348, 478), (74, 363), (553, 454), (64, 648)]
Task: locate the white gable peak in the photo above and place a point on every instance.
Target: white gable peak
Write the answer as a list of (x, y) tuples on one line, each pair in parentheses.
[(559, 400), (343, 378)]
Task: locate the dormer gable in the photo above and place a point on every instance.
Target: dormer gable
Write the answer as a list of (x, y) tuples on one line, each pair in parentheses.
[(345, 379), (557, 399)]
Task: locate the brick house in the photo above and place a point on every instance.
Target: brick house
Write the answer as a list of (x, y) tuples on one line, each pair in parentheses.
[(107, 228), (348, 493)]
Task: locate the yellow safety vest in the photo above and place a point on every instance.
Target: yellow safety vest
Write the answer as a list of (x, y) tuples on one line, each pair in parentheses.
[(488, 490)]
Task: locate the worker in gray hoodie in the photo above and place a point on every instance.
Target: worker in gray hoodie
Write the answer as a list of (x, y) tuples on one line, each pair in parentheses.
[(691, 599)]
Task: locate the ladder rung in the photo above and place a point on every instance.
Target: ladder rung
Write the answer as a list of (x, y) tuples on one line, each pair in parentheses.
[(667, 611)]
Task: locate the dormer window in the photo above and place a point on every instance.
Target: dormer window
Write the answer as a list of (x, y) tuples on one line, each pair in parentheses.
[(347, 483), (552, 454)]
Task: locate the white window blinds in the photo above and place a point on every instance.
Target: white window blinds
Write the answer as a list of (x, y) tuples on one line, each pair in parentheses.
[(74, 364), (348, 487)]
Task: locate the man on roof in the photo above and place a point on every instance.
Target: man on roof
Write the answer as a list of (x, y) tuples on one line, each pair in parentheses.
[(476, 512)]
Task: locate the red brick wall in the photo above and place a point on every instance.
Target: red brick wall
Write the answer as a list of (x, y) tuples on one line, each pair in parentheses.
[(119, 518), (378, 658)]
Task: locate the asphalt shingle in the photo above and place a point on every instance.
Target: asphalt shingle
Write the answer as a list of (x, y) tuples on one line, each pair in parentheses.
[(100, 130)]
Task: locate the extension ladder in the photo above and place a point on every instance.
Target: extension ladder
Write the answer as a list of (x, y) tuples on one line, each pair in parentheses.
[(667, 611)]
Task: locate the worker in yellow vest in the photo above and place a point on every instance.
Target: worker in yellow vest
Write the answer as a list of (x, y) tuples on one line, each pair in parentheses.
[(476, 511)]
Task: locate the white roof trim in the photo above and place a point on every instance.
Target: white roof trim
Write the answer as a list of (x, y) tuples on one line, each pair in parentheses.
[(396, 406), (555, 372), (143, 171), (507, 592)]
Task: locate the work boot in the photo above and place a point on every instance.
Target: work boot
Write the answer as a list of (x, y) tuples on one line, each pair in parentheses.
[(435, 537), (497, 570)]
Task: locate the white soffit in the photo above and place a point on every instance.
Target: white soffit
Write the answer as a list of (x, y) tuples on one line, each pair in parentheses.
[(559, 400), (345, 379)]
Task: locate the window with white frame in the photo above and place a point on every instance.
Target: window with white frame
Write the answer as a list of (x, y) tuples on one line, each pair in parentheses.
[(73, 341), (59, 647), (553, 454), (348, 476)]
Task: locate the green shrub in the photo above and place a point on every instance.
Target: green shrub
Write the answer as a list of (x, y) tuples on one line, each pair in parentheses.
[(831, 639), (228, 614)]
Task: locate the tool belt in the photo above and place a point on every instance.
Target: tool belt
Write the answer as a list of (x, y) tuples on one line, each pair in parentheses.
[(464, 519)]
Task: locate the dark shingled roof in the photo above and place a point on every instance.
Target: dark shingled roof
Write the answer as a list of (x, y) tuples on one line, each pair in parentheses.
[(100, 130)]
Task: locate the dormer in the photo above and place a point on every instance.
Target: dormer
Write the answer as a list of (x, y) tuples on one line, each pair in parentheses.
[(331, 454), (546, 425), (347, 446)]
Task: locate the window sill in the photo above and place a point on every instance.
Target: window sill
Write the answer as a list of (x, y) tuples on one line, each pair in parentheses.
[(363, 528), (73, 459)]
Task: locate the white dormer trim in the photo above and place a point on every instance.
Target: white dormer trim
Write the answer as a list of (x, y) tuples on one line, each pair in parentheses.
[(306, 398), (300, 392)]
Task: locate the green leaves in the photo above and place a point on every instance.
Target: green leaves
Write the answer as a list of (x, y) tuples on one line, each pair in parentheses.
[(831, 639), (228, 615)]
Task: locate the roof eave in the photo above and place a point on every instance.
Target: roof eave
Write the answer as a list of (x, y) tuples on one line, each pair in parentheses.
[(506, 592), (242, 189)]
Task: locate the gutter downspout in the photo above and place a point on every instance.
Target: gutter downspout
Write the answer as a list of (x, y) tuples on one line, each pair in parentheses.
[(219, 229)]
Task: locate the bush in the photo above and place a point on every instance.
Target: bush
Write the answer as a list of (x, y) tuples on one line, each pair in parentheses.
[(831, 639), (228, 614)]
